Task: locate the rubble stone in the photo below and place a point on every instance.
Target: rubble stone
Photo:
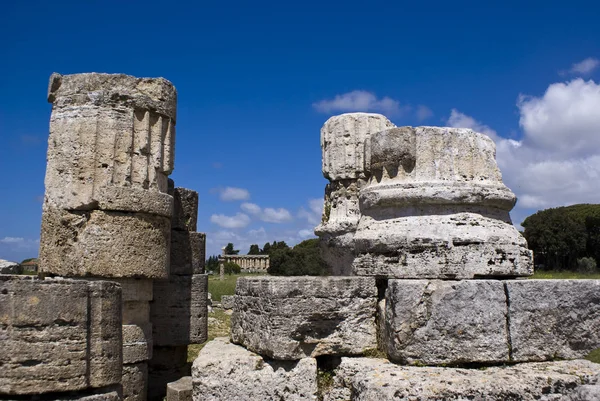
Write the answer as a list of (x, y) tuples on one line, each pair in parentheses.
[(227, 301), (553, 319), (290, 318), (433, 322), (224, 371), (58, 335), (435, 207), (363, 379)]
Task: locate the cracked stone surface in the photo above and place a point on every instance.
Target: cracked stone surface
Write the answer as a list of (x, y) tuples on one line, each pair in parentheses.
[(366, 379), (225, 371), (290, 318)]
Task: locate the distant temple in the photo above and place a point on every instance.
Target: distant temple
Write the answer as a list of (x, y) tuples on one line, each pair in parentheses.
[(248, 263)]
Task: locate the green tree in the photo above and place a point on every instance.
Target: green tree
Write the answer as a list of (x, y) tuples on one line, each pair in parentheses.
[(560, 236), (212, 263), (254, 250), (303, 259), (232, 268), (266, 249), (229, 250)]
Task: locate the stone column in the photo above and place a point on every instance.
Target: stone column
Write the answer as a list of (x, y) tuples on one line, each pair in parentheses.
[(435, 207), (222, 260), (342, 143), (106, 212)]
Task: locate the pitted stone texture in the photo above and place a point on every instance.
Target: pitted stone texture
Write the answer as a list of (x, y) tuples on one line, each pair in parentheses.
[(188, 252), (180, 390), (137, 343), (552, 319), (343, 141), (225, 371), (111, 143), (290, 318), (105, 244), (435, 207), (104, 394), (135, 381), (227, 301), (58, 335), (365, 379), (179, 310), (446, 322), (185, 208)]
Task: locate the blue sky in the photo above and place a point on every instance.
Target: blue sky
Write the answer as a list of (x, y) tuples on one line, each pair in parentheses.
[(257, 80)]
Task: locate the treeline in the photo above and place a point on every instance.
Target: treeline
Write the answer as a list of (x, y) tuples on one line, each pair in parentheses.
[(302, 259), (565, 238)]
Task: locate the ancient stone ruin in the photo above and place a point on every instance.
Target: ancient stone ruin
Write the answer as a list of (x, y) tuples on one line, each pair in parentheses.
[(428, 299), (248, 263), (124, 236), (426, 303)]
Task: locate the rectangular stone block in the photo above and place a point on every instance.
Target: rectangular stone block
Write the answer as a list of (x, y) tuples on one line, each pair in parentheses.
[(179, 311), (58, 335), (180, 390), (188, 252), (379, 380), (553, 319), (290, 318), (433, 322), (185, 209), (135, 382), (136, 312), (137, 343)]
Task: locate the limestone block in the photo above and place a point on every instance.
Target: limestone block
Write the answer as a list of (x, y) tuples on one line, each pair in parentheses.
[(365, 379), (188, 252), (343, 140), (136, 312), (433, 322), (227, 301), (435, 207), (105, 244), (225, 371), (135, 289), (180, 390), (58, 335), (107, 131), (7, 267), (105, 394), (290, 318), (179, 311), (552, 319), (168, 364), (137, 343), (185, 209), (135, 382)]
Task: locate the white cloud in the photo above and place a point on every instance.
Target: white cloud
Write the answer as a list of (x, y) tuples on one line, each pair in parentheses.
[(231, 193), (360, 100), (460, 120), (251, 208), (306, 234), (240, 220), (12, 240), (314, 212), (423, 112), (585, 67), (565, 120), (557, 162), (271, 215)]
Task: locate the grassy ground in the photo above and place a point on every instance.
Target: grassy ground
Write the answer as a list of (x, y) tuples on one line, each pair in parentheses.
[(217, 287), (564, 275)]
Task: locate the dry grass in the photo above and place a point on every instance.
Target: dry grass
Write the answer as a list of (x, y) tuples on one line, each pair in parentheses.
[(219, 324)]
